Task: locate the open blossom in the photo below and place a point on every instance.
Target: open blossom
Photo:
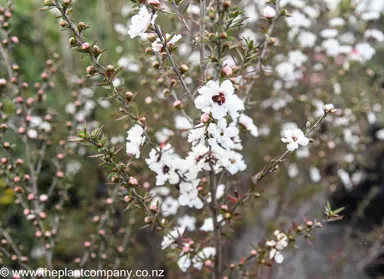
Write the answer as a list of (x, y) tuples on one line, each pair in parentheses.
[(205, 254), (171, 237), (219, 99), (135, 140), (277, 246), (329, 108), (248, 124), (294, 138), (222, 135), (140, 22), (158, 45), (189, 195), (184, 262)]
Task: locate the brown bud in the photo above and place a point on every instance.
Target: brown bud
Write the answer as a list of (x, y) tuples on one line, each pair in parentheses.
[(91, 70), (152, 37), (155, 64), (63, 23), (184, 68), (81, 25), (128, 96), (72, 41)]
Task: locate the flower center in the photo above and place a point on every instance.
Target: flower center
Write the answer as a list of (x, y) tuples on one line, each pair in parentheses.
[(165, 169), (294, 138), (219, 99)]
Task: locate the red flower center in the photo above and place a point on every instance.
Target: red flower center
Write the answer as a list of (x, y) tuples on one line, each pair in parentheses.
[(219, 99), (165, 169)]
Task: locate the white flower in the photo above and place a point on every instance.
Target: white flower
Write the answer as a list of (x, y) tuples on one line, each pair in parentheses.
[(169, 206), (70, 108), (171, 237), (247, 122), (380, 134), (182, 123), (363, 52), (328, 33), (196, 135), (158, 45), (188, 222), (73, 167), (163, 166), (231, 160), (135, 140), (221, 135), (277, 246), (329, 108), (375, 34), (32, 134), (205, 253), (315, 175), (140, 22), (294, 138), (184, 262), (163, 135), (219, 99), (306, 39), (45, 126), (269, 12), (189, 195), (208, 224)]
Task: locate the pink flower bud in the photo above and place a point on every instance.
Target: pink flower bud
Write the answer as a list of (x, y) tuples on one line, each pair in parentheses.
[(146, 185), (87, 244), (27, 177), (204, 118), (31, 197), (133, 180), (3, 81), (208, 263), (186, 249), (269, 12), (14, 39), (177, 103), (85, 46), (43, 198), (227, 71), (44, 75), (19, 100), (109, 201), (154, 2), (148, 100)]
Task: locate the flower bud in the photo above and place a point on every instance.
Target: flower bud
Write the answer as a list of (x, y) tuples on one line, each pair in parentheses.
[(204, 118), (155, 3), (155, 64), (129, 96), (85, 46), (72, 41), (91, 70), (184, 68), (178, 104), (269, 12), (63, 23), (227, 71)]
